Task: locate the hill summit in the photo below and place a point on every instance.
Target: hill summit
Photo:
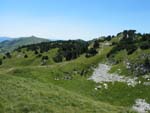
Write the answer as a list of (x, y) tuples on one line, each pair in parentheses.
[(9, 45)]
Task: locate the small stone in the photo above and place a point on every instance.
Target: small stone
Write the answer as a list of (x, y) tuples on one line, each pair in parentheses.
[(96, 88), (105, 86)]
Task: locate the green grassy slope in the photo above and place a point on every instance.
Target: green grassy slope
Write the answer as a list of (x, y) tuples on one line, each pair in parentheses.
[(17, 58), (33, 88), (24, 95), (27, 86), (24, 91), (118, 94)]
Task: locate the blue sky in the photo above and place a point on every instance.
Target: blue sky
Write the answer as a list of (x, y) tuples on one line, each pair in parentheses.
[(72, 19)]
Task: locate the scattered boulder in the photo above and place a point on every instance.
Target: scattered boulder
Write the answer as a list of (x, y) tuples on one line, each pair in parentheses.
[(141, 106), (140, 65), (105, 86)]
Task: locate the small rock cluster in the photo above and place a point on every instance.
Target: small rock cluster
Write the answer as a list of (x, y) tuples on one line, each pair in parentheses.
[(141, 106), (140, 65), (63, 78)]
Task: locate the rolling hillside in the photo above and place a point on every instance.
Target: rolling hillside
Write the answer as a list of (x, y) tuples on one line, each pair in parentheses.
[(55, 76), (9, 45)]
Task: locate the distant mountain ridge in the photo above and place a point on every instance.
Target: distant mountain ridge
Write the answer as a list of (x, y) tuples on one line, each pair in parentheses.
[(4, 39), (9, 44)]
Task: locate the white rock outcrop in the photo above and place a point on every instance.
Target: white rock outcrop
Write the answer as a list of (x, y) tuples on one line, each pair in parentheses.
[(101, 75), (141, 106)]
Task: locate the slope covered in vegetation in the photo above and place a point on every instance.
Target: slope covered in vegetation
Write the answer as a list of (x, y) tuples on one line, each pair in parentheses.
[(54, 75), (131, 52)]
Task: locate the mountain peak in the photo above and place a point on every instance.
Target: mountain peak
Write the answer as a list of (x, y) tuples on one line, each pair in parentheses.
[(16, 42)]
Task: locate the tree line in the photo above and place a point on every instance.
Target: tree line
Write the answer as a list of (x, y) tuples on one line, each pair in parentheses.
[(67, 50)]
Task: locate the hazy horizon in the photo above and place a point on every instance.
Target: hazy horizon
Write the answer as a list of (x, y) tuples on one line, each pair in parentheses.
[(72, 19)]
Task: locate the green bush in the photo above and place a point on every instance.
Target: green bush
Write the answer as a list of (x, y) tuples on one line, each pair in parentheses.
[(1, 62)]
